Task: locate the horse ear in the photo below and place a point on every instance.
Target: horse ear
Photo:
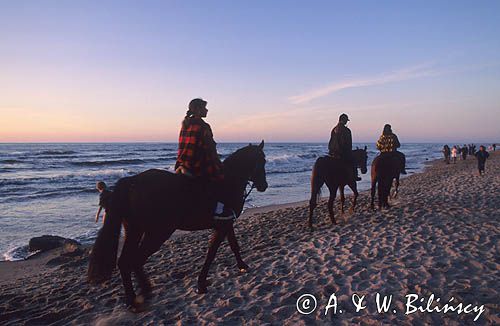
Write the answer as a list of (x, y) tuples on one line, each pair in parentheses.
[(261, 145), (365, 148)]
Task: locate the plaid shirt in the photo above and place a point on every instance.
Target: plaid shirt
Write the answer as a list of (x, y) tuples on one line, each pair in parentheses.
[(388, 143), (197, 150)]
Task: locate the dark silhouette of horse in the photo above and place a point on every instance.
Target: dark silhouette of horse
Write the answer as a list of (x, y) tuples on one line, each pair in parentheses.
[(153, 204), (336, 174), (385, 168)]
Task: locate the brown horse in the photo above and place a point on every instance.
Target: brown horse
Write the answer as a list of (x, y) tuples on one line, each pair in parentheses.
[(385, 168), (153, 204), (336, 174)]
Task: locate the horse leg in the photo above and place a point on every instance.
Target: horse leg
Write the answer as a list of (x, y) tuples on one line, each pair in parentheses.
[(381, 192), (150, 244), (316, 184), (354, 189), (396, 186), (233, 243), (331, 201), (217, 238), (386, 193), (126, 263), (372, 192), (312, 205), (342, 199)]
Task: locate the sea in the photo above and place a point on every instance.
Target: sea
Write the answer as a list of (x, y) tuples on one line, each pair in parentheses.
[(49, 188)]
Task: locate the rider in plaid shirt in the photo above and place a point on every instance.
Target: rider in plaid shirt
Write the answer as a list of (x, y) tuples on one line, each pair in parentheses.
[(197, 155)]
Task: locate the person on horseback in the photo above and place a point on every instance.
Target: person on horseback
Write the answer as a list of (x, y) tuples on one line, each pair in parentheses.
[(340, 144), (388, 143), (197, 154)]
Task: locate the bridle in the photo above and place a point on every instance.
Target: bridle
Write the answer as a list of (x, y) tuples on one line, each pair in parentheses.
[(250, 183)]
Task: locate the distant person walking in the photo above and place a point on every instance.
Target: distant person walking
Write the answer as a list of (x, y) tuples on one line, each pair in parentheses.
[(340, 144), (494, 147), (454, 152), (464, 152), (104, 200), (481, 156), (388, 143), (447, 153)]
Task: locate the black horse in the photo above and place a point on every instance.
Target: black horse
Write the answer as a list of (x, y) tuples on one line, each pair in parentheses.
[(385, 168), (153, 204), (336, 174)]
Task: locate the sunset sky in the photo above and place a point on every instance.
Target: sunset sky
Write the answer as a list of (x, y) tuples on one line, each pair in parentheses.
[(95, 71)]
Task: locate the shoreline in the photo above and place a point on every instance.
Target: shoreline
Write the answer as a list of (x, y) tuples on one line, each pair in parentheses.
[(15, 248), (441, 237)]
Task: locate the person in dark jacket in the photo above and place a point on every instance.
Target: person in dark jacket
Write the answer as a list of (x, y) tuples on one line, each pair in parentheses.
[(465, 151), (481, 156), (340, 144), (388, 143), (447, 153)]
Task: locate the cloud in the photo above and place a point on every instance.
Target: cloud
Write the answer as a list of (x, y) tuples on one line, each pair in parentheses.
[(423, 70)]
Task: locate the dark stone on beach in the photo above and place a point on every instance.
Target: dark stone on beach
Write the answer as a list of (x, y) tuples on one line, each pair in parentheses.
[(48, 242)]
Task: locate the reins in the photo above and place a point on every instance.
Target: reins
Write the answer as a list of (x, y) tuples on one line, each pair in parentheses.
[(247, 193)]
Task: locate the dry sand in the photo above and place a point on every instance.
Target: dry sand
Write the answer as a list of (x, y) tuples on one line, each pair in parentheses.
[(440, 237)]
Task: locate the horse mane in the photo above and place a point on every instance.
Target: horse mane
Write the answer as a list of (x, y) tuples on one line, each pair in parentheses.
[(242, 158), (236, 155)]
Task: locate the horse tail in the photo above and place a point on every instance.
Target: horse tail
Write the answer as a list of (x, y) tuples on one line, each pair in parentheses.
[(316, 180), (104, 252)]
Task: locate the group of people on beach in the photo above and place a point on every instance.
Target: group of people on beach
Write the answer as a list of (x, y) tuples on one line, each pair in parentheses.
[(197, 155), (450, 155)]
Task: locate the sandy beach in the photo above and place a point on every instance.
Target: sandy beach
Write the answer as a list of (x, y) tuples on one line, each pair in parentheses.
[(440, 237)]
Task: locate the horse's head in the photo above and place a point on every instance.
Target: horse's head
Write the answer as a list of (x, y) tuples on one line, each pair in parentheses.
[(360, 157), (248, 163)]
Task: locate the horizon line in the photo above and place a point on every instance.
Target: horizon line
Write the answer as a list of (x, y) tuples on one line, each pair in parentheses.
[(230, 142)]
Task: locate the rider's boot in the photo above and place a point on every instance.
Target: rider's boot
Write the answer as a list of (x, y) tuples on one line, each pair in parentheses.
[(356, 175), (222, 212)]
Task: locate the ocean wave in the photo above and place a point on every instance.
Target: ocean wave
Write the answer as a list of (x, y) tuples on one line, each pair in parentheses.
[(308, 156), (67, 175), (283, 158), (109, 162), (11, 161), (18, 253), (48, 193), (289, 170), (54, 152)]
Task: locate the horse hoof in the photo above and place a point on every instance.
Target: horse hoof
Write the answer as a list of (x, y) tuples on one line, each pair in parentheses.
[(137, 306), (145, 294), (201, 289), (243, 268)]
